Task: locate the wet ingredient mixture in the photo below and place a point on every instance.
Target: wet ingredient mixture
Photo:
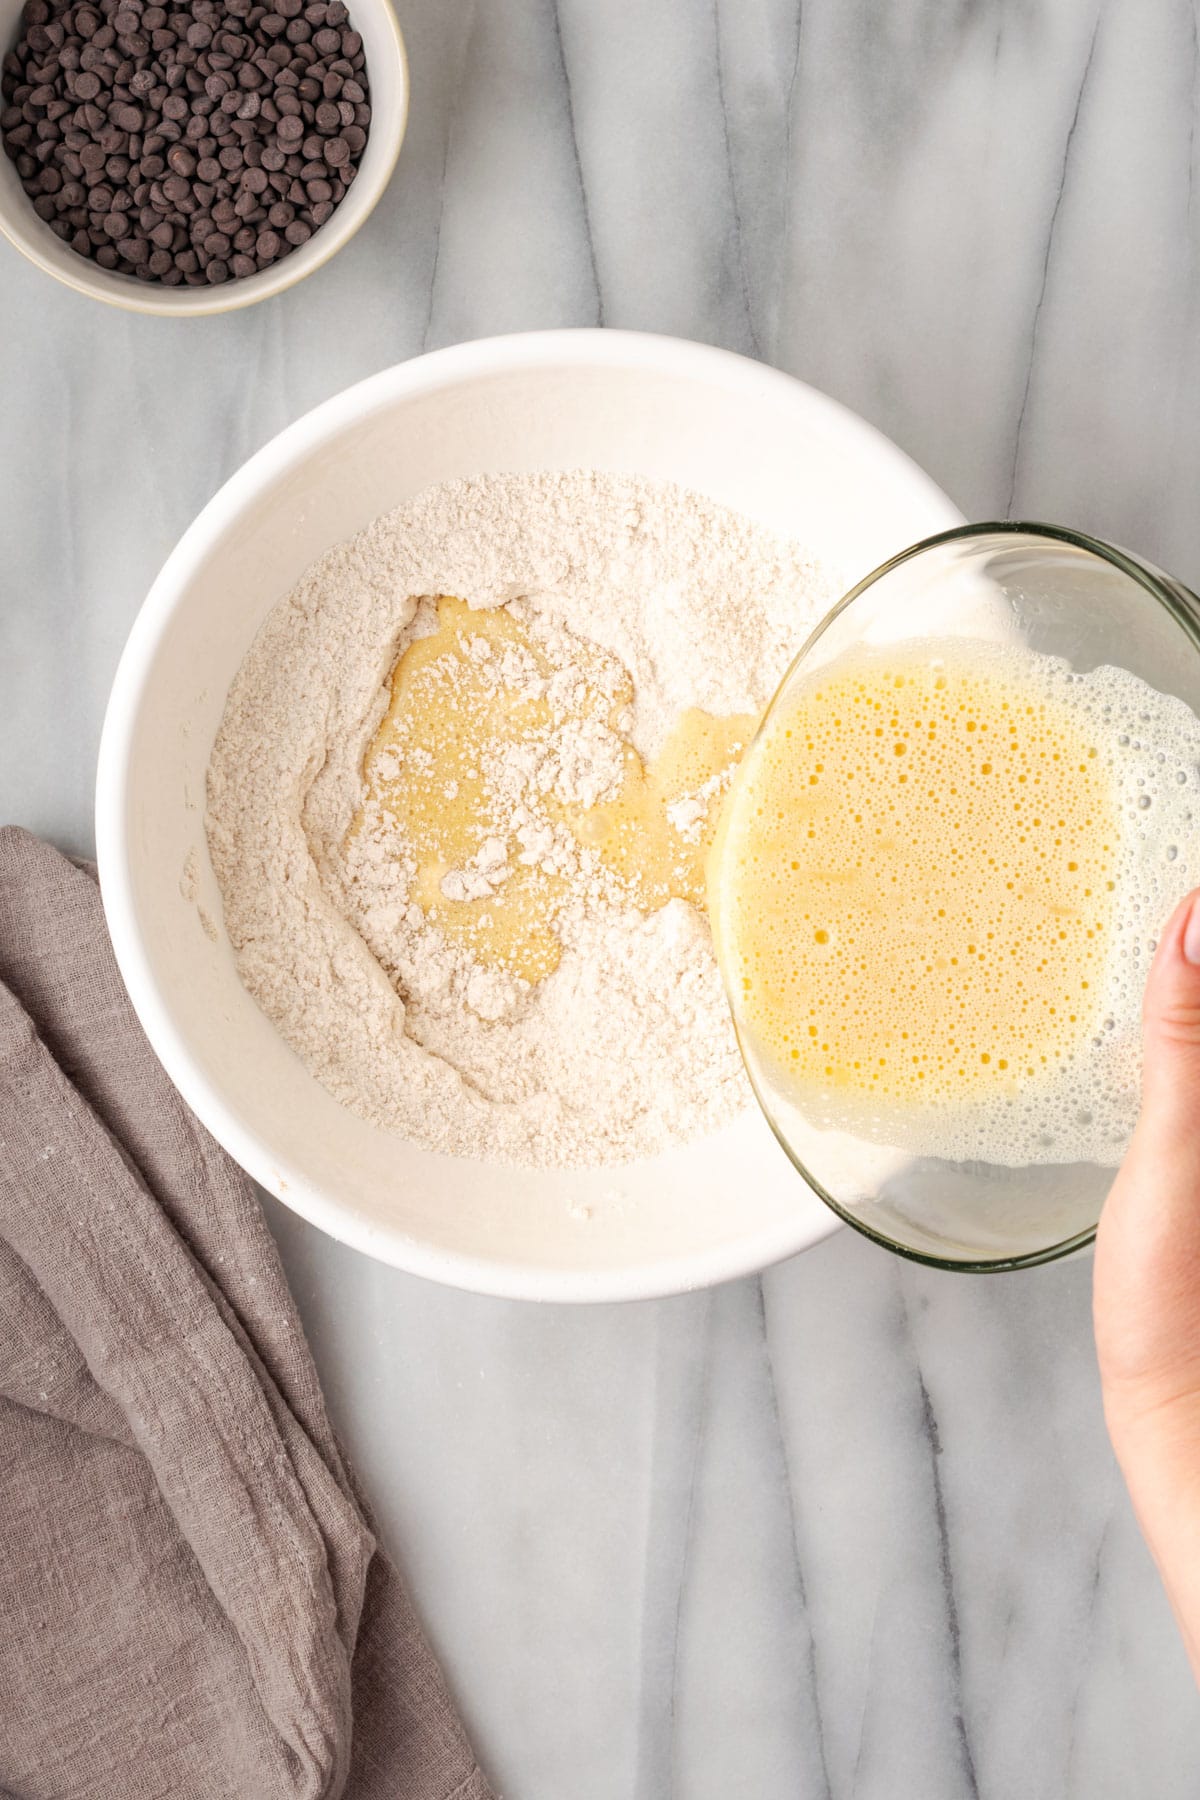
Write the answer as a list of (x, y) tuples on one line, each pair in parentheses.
[(938, 867), (505, 765)]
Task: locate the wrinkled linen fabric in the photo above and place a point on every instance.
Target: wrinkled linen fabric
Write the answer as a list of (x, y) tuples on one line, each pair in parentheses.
[(192, 1602)]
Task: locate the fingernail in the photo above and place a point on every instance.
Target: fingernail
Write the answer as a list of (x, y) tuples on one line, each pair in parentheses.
[(1191, 933)]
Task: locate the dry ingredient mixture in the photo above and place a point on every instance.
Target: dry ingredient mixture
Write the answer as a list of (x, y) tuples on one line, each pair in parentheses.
[(460, 802)]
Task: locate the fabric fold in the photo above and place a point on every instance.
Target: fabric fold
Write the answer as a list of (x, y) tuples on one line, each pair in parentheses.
[(196, 1599)]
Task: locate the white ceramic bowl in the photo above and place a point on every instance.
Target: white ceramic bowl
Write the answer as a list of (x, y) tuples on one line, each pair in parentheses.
[(387, 72), (748, 436)]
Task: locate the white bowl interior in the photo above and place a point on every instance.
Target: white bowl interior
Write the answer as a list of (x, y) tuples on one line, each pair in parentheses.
[(387, 72), (750, 438)]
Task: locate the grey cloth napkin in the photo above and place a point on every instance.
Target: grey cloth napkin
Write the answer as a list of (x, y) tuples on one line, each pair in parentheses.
[(192, 1602)]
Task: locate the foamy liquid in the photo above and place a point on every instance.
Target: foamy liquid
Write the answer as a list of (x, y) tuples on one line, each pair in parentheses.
[(941, 870)]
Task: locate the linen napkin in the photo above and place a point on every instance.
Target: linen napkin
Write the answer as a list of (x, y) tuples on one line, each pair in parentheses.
[(192, 1602)]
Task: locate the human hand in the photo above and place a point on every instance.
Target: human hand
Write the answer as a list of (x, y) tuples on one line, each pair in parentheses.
[(1146, 1287)]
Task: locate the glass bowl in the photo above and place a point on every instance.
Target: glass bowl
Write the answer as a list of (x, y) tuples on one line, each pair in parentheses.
[(1062, 594)]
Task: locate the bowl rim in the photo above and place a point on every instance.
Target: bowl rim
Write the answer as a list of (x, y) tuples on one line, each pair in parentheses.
[(195, 303), (1184, 608), (579, 348)]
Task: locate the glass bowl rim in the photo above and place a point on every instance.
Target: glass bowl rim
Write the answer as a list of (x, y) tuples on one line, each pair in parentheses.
[(1184, 608)]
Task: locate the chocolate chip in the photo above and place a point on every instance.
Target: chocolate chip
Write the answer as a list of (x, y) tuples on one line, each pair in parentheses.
[(187, 144)]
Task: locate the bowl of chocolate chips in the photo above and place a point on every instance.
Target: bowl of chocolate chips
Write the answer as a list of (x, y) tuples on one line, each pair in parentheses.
[(199, 155)]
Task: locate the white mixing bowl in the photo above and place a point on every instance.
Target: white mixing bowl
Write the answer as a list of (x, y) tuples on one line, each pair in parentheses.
[(746, 435)]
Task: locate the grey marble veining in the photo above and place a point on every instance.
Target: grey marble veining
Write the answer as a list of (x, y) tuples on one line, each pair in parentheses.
[(852, 1530)]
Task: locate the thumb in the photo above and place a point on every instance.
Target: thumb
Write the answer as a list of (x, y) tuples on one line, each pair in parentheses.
[(1170, 1123), (1147, 1268)]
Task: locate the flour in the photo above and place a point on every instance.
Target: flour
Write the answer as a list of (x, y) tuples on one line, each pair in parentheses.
[(626, 1048), (689, 812)]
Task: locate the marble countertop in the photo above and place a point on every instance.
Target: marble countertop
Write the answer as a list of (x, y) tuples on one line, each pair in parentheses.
[(852, 1529)]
